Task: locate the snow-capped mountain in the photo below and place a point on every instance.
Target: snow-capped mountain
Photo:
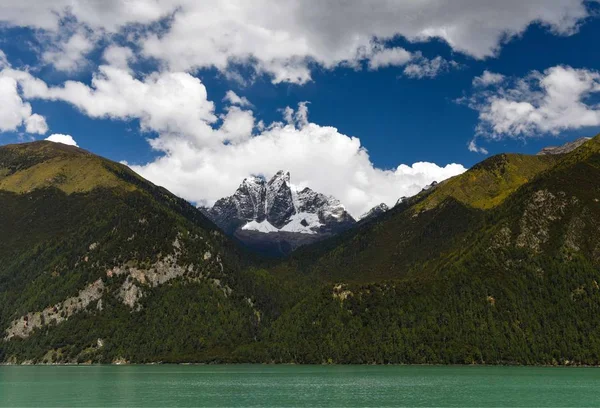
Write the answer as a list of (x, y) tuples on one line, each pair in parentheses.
[(374, 212), (276, 209), (429, 186)]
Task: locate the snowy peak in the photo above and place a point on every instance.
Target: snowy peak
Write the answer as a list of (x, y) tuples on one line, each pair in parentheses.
[(429, 186), (401, 200), (374, 212), (281, 177), (279, 206)]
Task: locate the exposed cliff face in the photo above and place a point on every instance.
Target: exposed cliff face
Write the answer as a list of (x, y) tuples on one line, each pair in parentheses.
[(277, 212)]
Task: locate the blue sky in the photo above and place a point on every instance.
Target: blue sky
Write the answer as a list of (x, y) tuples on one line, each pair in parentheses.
[(400, 116)]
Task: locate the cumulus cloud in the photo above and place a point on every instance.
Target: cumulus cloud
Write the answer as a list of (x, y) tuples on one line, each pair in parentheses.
[(317, 156), (60, 138), (287, 38), (387, 57), (168, 102), (487, 78), (118, 56), (3, 60), (69, 54), (548, 102), (36, 124), (16, 113), (205, 155), (233, 99)]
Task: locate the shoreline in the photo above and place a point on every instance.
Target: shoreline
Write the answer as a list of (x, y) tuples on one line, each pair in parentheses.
[(298, 365)]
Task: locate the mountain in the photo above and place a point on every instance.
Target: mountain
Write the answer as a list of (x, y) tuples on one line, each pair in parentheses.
[(276, 217), (98, 264), (500, 265), (374, 212), (566, 148)]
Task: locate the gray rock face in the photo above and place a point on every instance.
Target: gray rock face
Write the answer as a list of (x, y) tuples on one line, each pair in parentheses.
[(276, 206), (279, 201), (374, 212), (566, 148), (247, 203)]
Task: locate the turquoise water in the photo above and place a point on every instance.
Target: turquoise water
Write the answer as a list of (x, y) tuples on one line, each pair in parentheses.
[(284, 386)]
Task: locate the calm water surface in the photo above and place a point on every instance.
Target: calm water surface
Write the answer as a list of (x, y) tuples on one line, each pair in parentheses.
[(286, 386)]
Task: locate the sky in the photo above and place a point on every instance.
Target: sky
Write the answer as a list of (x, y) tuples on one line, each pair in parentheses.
[(367, 101)]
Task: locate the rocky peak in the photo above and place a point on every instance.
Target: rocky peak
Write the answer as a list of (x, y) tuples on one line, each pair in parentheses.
[(279, 199), (430, 186), (374, 212), (566, 148), (250, 197), (401, 200), (277, 205)]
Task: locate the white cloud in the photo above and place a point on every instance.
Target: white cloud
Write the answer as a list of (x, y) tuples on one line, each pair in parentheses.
[(3, 60), (118, 56), (287, 38), (487, 78), (428, 68), (546, 102), (234, 99), (36, 124), (473, 147), (237, 125), (168, 102), (207, 155), (415, 64), (14, 112), (396, 56), (109, 15), (69, 54), (60, 138), (317, 156)]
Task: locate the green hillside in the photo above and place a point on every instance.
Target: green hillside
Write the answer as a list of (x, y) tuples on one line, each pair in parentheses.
[(89, 251), (517, 283), (499, 266)]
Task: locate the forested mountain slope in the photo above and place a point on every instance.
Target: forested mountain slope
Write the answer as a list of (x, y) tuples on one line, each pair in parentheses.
[(516, 282), (98, 264), (498, 265)]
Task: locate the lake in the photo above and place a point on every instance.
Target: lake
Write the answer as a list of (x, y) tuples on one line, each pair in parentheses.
[(286, 386)]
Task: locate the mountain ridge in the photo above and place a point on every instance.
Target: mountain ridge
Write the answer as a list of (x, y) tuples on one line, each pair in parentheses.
[(497, 266)]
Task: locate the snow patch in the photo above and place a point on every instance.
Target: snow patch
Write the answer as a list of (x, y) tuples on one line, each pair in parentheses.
[(263, 226), (305, 223)]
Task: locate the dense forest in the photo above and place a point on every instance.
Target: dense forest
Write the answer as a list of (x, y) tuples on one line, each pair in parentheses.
[(497, 266)]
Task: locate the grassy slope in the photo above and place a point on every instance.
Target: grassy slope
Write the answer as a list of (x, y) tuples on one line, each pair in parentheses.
[(26, 167), (490, 182)]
